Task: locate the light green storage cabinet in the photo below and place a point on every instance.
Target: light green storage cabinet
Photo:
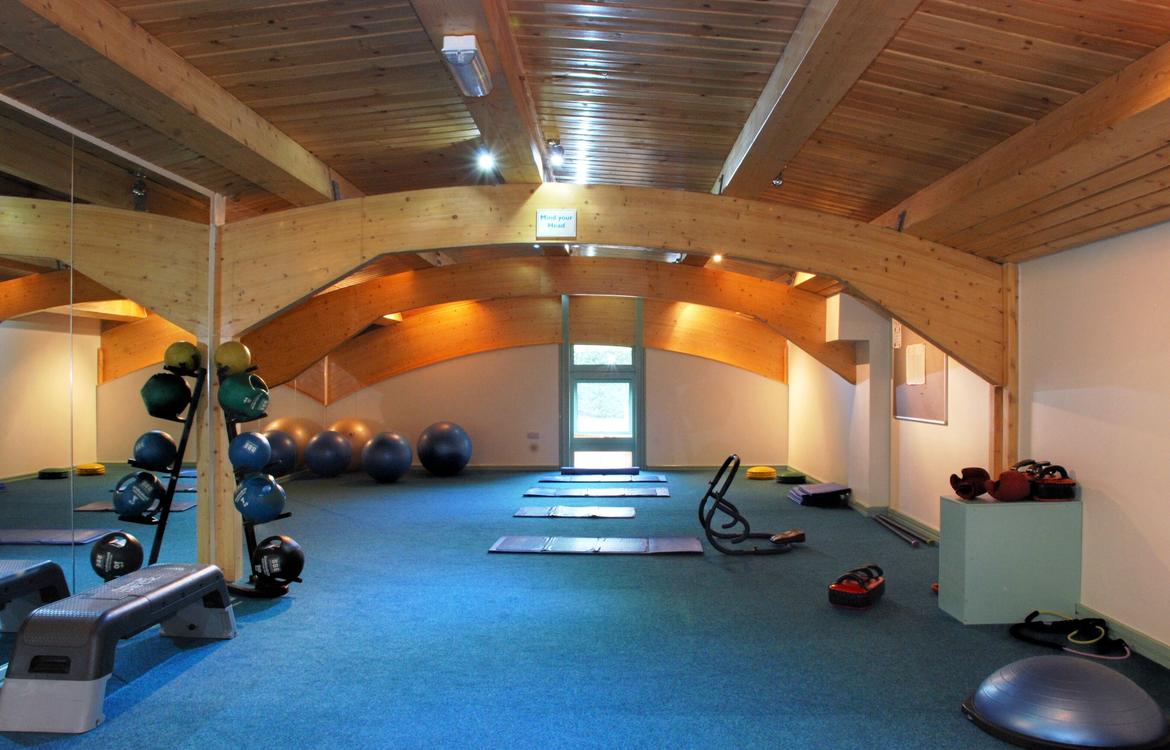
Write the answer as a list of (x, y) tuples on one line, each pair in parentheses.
[(999, 561)]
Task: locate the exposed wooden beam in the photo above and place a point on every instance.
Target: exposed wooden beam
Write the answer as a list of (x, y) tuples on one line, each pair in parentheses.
[(50, 163), (833, 44), (953, 298), (114, 310), (698, 260), (321, 324), (132, 346), (103, 52), (554, 251), (45, 291), (506, 117), (436, 258), (1116, 121), (157, 261)]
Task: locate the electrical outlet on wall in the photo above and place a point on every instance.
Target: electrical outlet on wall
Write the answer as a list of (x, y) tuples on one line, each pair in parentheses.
[(534, 436)]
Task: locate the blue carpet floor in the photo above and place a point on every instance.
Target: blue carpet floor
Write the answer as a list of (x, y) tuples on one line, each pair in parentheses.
[(406, 633)]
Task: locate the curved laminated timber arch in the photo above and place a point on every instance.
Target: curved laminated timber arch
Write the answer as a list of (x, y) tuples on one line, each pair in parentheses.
[(321, 324), (41, 291), (954, 299), (458, 329)]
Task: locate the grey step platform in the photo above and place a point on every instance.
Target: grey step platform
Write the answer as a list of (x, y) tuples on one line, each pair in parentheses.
[(26, 585), (597, 492), (597, 545), (598, 478), (64, 652), (570, 511)]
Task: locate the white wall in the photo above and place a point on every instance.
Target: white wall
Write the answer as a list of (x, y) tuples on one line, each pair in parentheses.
[(925, 455), (698, 411), (1095, 395), (35, 375), (820, 415), (498, 397)]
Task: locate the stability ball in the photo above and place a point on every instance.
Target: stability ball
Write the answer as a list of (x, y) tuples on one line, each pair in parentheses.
[(249, 452), (155, 450), (1063, 701), (301, 430), (259, 498), (387, 457), (444, 448), (283, 457), (358, 432), (328, 453)]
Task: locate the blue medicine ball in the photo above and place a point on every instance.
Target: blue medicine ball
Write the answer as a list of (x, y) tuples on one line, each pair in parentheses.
[(249, 452), (155, 450), (284, 453), (328, 453), (138, 493), (259, 498), (387, 457)]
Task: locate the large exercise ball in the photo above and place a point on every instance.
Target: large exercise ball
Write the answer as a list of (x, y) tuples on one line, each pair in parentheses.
[(358, 432), (232, 358), (155, 450), (165, 395), (444, 448), (259, 498), (302, 430), (283, 453), (1063, 701), (387, 457), (249, 452), (328, 453), (137, 494)]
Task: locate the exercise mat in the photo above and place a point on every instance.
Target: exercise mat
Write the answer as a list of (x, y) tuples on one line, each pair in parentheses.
[(597, 492), (178, 506), (596, 545), (569, 511), (610, 478), (51, 536), (586, 470)]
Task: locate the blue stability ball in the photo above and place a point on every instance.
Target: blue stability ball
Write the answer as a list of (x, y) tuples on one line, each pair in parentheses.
[(249, 452), (444, 449), (259, 498), (328, 453), (155, 450), (1063, 701), (387, 457), (138, 493), (284, 453)]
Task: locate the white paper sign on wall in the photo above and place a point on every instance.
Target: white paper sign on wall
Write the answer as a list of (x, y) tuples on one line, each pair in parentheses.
[(556, 223)]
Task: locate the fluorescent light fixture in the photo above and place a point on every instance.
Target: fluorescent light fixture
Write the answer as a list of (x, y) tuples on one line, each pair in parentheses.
[(465, 61), (486, 161), (556, 153)]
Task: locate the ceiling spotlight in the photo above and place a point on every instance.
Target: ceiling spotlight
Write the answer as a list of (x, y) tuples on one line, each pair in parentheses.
[(556, 153), (717, 257), (778, 180), (486, 161), (465, 61), (536, 247)]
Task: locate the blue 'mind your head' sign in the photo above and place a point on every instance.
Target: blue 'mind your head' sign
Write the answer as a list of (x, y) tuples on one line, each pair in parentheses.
[(556, 223)]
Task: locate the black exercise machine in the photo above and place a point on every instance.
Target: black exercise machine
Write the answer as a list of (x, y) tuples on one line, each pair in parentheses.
[(737, 531)]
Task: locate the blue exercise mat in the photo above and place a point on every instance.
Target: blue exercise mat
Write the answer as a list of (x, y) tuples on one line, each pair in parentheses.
[(589, 545), (51, 536), (603, 478), (177, 506)]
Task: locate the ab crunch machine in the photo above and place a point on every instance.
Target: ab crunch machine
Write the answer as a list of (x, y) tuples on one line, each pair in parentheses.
[(735, 536)]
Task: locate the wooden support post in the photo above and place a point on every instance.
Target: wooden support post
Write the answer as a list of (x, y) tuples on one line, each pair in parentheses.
[(1005, 402), (220, 534)]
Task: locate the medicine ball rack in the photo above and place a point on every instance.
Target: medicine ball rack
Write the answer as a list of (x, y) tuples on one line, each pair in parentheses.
[(255, 587), (176, 468)]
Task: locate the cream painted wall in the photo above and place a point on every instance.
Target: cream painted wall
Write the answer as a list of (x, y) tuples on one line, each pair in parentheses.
[(698, 411), (820, 414), (35, 378), (498, 397), (925, 455), (1095, 395)]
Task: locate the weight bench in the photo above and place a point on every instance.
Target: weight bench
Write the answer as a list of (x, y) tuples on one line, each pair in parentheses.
[(64, 652), (26, 585)]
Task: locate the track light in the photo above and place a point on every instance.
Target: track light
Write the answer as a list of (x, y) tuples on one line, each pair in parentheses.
[(486, 161), (556, 153), (465, 61)]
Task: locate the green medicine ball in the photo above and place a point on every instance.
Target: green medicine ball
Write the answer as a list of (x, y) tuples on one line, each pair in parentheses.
[(166, 395), (244, 397)]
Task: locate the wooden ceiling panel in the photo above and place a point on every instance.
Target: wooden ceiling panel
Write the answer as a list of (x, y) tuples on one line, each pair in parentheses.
[(960, 77), (649, 92)]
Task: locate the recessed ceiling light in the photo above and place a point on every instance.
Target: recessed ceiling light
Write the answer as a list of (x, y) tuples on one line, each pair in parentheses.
[(486, 161)]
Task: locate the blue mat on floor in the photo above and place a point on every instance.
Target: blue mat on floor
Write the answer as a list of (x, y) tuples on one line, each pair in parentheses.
[(51, 536)]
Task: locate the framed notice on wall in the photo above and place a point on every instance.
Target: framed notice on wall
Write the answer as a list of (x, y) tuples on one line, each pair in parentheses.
[(920, 378)]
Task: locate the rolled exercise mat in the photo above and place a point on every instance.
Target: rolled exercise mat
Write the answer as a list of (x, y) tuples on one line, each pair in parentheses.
[(569, 511), (597, 545)]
